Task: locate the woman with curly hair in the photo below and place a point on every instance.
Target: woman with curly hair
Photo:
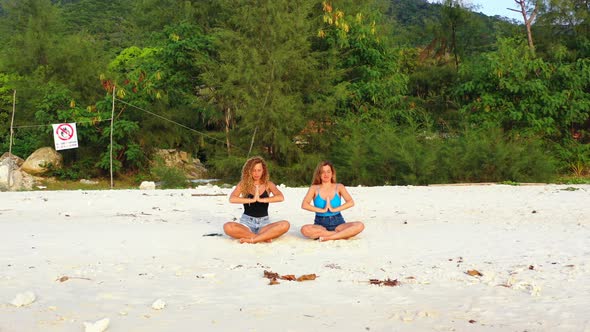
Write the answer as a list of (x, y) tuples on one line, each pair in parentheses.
[(255, 191)]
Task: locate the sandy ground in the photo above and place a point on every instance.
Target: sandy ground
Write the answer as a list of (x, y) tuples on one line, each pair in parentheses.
[(90, 255)]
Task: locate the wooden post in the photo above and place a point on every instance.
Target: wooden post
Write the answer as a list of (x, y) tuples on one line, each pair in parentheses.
[(10, 144), (112, 121), (12, 121)]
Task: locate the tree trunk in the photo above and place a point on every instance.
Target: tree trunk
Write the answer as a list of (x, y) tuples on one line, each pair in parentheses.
[(454, 46), (528, 21), (227, 123)]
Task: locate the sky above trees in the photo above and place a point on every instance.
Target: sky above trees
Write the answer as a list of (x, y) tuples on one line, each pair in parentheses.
[(493, 7)]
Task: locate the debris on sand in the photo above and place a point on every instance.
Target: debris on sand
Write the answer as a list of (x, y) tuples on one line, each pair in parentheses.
[(274, 277), (386, 282)]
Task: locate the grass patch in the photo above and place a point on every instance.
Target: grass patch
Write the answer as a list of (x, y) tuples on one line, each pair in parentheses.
[(510, 183), (573, 180), (121, 182)]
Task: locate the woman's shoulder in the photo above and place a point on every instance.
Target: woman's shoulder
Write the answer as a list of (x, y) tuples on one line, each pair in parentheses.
[(271, 186), (340, 186)]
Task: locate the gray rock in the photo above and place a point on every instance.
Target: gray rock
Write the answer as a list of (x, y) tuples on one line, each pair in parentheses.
[(191, 167), (11, 178), (19, 161), (37, 162), (147, 185)]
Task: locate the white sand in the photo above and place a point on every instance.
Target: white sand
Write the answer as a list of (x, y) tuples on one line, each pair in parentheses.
[(124, 250)]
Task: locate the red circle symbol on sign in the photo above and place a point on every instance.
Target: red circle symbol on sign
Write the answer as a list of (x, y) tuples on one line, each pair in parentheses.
[(64, 131)]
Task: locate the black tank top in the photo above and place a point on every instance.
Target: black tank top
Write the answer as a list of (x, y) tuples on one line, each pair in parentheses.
[(257, 209)]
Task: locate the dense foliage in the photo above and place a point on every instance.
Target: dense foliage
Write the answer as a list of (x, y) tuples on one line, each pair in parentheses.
[(394, 92)]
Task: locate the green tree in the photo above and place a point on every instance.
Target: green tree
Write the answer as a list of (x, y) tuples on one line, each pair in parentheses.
[(372, 76), (39, 50), (515, 88), (108, 22), (32, 27), (164, 80), (263, 64), (529, 9), (564, 23), (6, 100)]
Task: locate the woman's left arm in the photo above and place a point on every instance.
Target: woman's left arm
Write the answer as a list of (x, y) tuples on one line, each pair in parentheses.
[(344, 194), (277, 195)]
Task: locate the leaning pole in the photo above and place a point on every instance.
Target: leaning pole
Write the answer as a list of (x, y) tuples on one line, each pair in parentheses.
[(10, 144), (112, 121)]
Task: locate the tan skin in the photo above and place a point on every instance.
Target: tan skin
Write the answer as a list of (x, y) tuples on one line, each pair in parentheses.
[(327, 191), (268, 232)]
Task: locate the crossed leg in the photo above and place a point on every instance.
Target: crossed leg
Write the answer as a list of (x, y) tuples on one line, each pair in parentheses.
[(343, 231), (266, 234)]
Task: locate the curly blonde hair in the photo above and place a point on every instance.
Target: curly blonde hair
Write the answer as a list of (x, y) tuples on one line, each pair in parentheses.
[(247, 181), (317, 175)]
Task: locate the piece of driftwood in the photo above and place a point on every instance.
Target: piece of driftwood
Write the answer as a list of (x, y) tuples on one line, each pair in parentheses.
[(208, 194)]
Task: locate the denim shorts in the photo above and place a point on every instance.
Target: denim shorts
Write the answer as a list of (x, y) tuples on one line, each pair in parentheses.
[(329, 222), (254, 223)]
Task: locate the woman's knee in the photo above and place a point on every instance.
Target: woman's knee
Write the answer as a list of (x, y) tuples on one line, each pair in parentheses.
[(360, 226), (228, 227), (304, 229), (284, 225)]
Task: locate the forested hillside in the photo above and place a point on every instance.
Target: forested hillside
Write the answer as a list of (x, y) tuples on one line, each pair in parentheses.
[(392, 91)]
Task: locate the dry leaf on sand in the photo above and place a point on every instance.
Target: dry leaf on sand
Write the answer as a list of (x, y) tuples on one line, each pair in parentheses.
[(474, 273), (66, 278), (307, 277), (391, 283), (290, 277)]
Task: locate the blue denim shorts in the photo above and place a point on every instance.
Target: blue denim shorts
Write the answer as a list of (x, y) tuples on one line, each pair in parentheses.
[(254, 223), (329, 222)]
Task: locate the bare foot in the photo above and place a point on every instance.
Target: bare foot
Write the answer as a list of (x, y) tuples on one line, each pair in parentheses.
[(246, 240), (251, 240)]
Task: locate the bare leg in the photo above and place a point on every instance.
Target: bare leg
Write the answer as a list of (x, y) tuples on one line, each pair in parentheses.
[(315, 231), (268, 232), (345, 231), (237, 230)]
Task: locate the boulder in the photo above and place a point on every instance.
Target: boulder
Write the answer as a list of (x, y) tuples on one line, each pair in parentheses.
[(191, 167), (39, 160), (11, 178), (18, 160)]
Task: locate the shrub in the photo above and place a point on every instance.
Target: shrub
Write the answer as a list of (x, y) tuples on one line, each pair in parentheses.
[(490, 155), (170, 177)]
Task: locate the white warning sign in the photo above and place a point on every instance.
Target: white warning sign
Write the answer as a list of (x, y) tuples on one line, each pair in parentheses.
[(65, 136)]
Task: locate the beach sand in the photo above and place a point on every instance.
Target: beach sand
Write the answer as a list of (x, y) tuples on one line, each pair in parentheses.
[(156, 261)]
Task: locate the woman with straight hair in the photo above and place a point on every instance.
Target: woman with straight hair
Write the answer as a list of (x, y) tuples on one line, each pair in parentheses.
[(329, 198)]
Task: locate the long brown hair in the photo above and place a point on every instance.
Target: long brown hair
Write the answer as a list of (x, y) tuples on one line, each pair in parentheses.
[(317, 175), (247, 181)]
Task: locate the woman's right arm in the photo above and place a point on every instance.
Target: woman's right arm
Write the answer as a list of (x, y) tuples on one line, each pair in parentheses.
[(306, 204), (235, 197)]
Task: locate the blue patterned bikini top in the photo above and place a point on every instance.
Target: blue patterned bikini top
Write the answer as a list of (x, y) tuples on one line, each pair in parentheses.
[(319, 202)]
